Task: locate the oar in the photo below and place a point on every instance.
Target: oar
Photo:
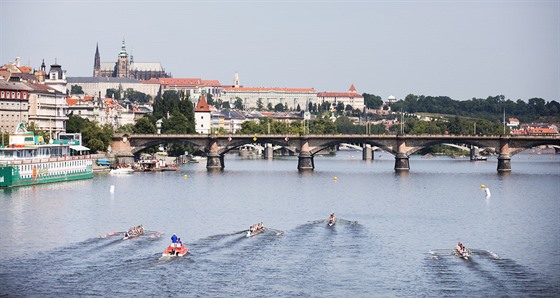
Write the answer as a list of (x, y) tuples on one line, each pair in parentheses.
[(109, 234), (278, 232)]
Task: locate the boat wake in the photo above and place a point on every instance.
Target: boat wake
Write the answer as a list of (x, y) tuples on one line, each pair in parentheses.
[(483, 271)]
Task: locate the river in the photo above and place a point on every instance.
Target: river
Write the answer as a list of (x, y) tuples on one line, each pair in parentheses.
[(393, 238)]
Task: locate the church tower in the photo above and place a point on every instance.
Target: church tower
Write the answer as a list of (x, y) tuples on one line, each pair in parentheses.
[(123, 63), (235, 80), (97, 63)]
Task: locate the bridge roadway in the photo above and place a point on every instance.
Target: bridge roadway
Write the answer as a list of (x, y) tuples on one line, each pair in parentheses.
[(401, 146)]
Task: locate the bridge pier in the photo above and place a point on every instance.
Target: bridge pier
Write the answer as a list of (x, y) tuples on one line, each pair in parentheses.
[(475, 151), (268, 151), (214, 161), (504, 163), (305, 161), (401, 159), (401, 162), (504, 159), (367, 153)]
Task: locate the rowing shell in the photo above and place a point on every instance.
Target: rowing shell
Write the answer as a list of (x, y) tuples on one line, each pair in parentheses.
[(258, 231)]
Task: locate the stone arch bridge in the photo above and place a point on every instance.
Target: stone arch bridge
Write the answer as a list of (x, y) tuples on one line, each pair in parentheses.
[(401, 146)]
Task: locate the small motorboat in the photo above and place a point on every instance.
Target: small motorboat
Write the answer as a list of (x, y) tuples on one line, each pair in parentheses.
[(175, 250), (479, 158), (119, 171)]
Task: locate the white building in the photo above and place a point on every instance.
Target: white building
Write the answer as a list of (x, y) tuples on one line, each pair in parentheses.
[(351, 98), (14, 105), (47, 109), (203, 116), (250, 96), (193, 87), (98, 86)]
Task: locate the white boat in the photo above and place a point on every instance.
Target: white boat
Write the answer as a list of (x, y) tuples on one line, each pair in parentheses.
[(119, 171), (479, 158)]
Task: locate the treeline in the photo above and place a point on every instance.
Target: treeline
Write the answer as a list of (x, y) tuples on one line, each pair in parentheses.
[(491, 108)]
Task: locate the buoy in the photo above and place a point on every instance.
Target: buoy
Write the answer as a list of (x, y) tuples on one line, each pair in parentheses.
[(334, 178), (112, 190), (482, 186), (186, 176), (488, 194)]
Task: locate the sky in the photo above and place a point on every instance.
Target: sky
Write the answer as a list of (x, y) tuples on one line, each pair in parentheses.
[(461, 49)]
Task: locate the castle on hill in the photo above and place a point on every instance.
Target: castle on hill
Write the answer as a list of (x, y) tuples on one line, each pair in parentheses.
[(125, 67)]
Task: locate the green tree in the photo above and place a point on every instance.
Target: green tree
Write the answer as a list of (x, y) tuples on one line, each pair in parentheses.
[(177, 124), (210, 99), (339, 108), (259, 105), (76, 123), (322, 126), (372, 101), (238, 104), (346, 126), (127, 128), (144, 126), (279, 107), (377, 129), (269, 107), (76, 89)]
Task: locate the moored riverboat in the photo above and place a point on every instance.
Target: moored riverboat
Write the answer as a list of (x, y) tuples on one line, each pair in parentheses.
[(28, 160)]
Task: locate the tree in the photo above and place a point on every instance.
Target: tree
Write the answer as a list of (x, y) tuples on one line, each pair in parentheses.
[(259, 104), (127, 128), (76, 89), (76, 123), (238, 104), (322, 126), (339, 108), (113, 93), (377, 129), (173, 103), (177, 124), (269, 107), (210, 99), (144, 126), (279, 107), (372, 101)]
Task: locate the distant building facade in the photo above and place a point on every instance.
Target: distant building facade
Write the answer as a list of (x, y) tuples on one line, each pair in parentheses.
[(202, 116), (125, 67), (14, 105), (351, 98), (290, 97)]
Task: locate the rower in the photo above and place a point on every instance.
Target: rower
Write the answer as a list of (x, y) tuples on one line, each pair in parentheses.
[(332, 218), (459, 247)]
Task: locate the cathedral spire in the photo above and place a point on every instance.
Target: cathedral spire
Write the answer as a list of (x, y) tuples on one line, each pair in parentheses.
[(96, 62)]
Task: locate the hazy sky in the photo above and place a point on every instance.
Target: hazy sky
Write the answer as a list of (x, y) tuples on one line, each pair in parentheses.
[(460, 49)]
